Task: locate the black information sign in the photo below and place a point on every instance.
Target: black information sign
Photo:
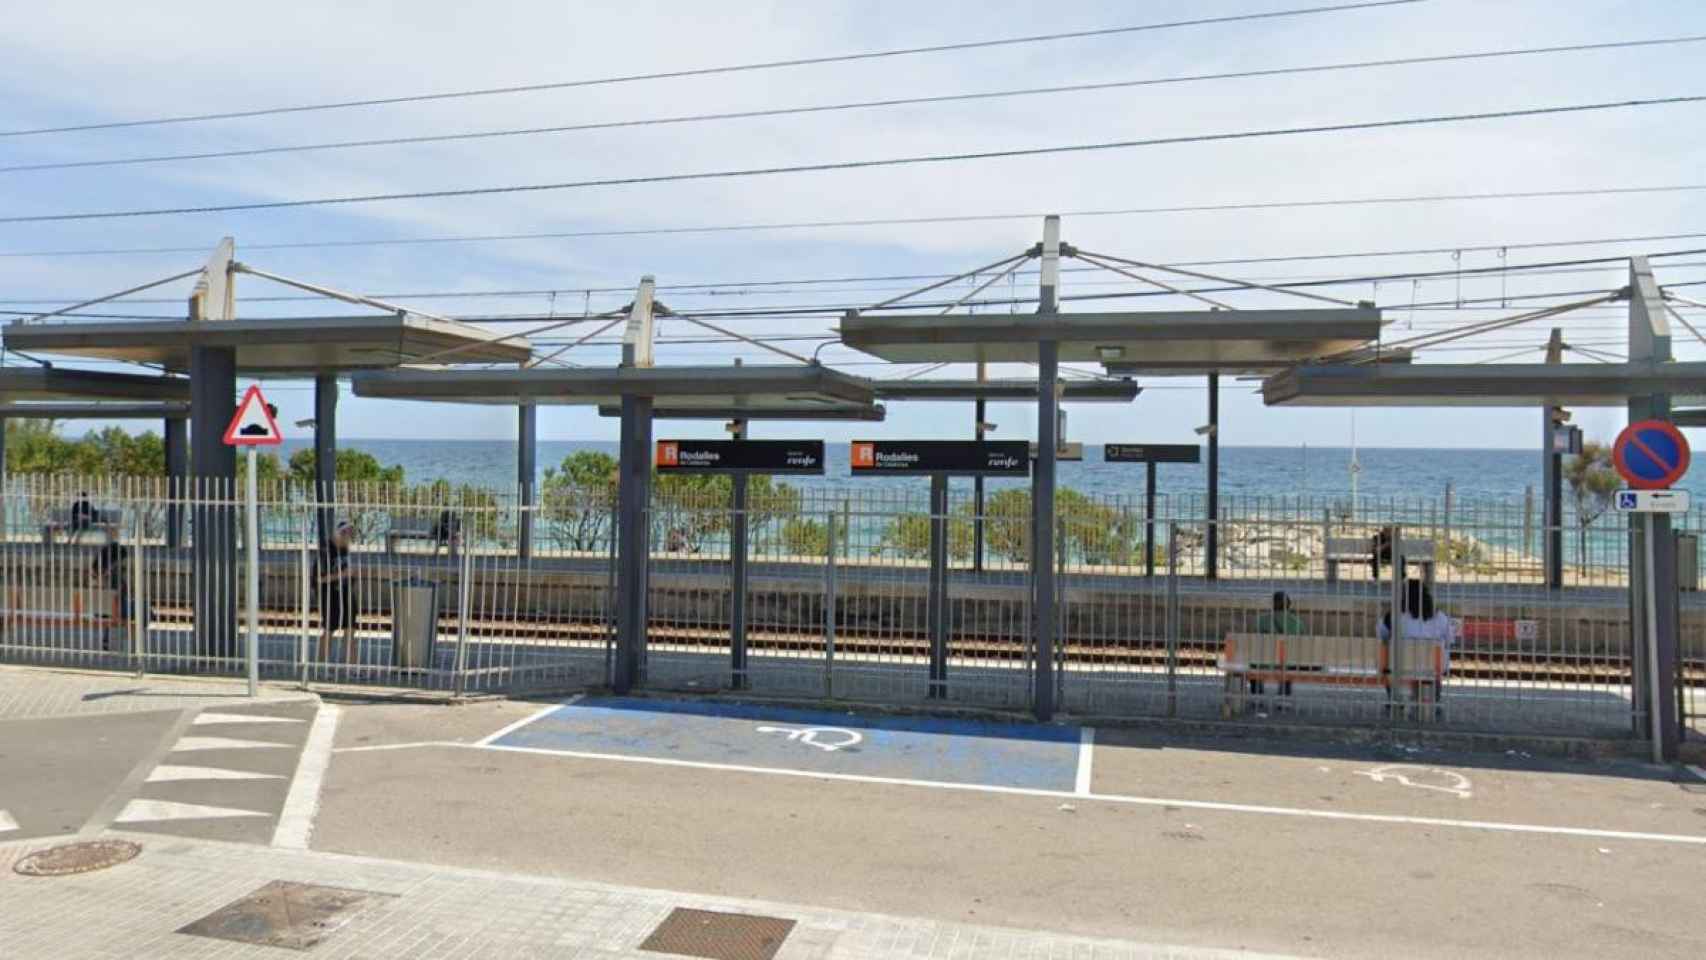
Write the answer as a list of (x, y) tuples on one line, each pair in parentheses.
[(740, 456), (1151, 453), (1011, 458)]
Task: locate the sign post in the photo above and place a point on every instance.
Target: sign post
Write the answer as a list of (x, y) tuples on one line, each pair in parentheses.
[(1150, 454), (253, 426), (1651, 455), (939, 459)]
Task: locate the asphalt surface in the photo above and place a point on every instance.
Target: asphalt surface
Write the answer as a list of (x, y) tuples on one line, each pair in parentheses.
[(1186, 864)]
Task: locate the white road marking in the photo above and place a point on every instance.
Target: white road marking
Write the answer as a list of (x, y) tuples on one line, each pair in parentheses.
[(167, 773), (1698, 771), (524, 721), (1118, 798), (6, 822), (1456, 784), (223, 743), (1086, 757), (144, 811), (296, 822), (203, 719), (842, 737)]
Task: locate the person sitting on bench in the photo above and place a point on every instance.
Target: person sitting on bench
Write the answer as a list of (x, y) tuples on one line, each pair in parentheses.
[(1424, 625), (1280, 620), (82, 516)]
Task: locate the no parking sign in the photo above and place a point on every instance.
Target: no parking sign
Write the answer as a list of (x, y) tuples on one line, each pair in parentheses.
[(1650, 454)]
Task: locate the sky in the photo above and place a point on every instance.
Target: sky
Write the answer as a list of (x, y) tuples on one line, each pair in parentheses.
[(101, 61)]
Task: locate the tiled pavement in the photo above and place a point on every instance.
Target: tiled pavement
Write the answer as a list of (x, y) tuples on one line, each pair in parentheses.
[(32, 692), (437, 913)]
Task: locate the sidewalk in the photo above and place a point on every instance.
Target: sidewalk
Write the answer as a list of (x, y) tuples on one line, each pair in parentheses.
[(435, 913), (40, 692)]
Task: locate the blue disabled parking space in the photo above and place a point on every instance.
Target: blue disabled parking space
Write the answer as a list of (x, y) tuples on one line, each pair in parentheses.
[(809, 741)]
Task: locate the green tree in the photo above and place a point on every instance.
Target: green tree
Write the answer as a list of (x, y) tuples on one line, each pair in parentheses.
[(691, 508), (578, 500), (805, 537), (36, 446), (349, 466), (1092, 532), (1593, 481), (908, 537)]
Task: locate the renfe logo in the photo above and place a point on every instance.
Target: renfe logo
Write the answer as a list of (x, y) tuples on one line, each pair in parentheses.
[(864, 455), (669, 453)]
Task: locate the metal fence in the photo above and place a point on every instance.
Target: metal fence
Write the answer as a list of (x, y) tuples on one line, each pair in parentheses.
[(880, 597)]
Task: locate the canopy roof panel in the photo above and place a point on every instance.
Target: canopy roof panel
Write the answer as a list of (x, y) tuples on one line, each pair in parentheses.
[(1151, 340), (1092, 391), (277, 346), (869, 412), (1480, 385), (96, 411), (61, 385), (725, 389)]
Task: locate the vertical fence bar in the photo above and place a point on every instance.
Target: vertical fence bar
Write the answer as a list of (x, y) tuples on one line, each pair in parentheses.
[(138, 616), (303, 570), (1172, 618), (829, 609)]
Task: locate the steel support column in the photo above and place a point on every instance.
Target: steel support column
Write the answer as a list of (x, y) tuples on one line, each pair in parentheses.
[(526, 472), (177, 440), (936, 600), (1552, 487), (980, 412), (738, 527), (1149, 519), (326, 450), (1655, 621), (213, 390), (633, 495), (1211, 535), (1042, 478)]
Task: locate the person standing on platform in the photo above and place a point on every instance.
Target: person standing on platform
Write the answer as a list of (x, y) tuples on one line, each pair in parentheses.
[(331, 576)]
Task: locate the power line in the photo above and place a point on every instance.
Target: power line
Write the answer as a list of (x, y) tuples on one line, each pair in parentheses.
[(713, 71), (840, 165), (836, 107), (990, 217)]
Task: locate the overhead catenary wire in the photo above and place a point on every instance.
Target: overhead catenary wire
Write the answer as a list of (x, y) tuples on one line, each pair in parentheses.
[(714, 70), (725, 115), (863, 164), (989, 218)]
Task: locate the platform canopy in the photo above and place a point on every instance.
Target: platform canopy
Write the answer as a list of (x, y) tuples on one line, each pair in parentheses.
[(734, 392), (868, 412), (302, 345), (1084, 391), (95, 411), (1174, 341), (58, 385), (1481, 385)]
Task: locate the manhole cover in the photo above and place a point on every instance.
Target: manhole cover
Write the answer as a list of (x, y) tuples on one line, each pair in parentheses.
[(283, 914), (718, 936), (68, 858)]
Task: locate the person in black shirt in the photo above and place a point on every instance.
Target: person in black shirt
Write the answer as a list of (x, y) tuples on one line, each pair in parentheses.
[(330, 576), (82, 517), (110, 570)]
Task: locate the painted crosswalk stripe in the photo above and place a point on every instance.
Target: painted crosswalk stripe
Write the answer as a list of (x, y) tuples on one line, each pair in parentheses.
[(223, 743), (6, 822), (167, 773), (144, 811), (207, 718)]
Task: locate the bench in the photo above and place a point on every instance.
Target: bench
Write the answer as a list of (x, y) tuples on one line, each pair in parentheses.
[(1339, 661), (62, 607), (443, 532), (1361, 550), (59, 521)]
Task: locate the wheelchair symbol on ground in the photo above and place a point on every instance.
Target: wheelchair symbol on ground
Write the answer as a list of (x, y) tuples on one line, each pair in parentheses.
[(1422, 778), (827, 739)]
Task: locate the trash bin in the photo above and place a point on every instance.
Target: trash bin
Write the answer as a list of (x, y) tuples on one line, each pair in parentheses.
[(414, 622), (1688, 561)]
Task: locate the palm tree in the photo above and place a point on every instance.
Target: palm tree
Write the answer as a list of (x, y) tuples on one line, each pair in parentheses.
[(1593, 481)]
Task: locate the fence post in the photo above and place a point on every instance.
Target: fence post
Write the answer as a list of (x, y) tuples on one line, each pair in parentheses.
[(138, 609), (304, 595), (1172, 618), (1396, 661), (610, 603), (829, 611), (464, 593)]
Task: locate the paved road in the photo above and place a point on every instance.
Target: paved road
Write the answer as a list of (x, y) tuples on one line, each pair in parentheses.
[(1310, 851)]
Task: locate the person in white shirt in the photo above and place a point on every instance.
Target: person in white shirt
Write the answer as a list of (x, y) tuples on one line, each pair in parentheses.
[(1424, 629)]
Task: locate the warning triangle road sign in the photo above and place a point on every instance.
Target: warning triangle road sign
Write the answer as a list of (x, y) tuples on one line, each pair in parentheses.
[(253, 426)]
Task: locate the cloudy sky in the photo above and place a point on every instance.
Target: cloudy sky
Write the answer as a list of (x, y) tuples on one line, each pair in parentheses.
[(101, 61)]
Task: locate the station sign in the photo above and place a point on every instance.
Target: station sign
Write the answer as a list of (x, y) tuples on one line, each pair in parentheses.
[(1151, 453), (740, 456), (1651, 501), (1000, 458), (1650, 454)]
